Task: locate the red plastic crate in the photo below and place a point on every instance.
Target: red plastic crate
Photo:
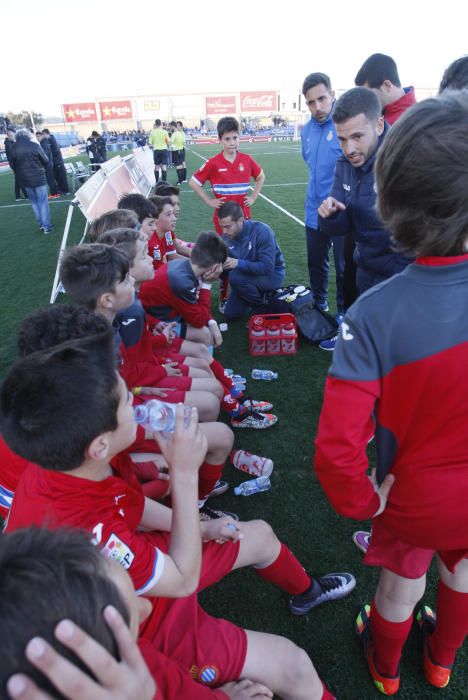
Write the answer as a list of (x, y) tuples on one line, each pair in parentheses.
[(270, 320)]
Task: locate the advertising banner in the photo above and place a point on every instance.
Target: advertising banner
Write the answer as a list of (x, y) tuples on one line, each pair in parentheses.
[(265, 101), (80, 112), (220, 105), (121, 109)]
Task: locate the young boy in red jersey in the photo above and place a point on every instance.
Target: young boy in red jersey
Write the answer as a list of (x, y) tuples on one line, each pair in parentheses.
[(164, 189), (400, 368), (229, 174), (143, 208), (68, 406), (162, 245)]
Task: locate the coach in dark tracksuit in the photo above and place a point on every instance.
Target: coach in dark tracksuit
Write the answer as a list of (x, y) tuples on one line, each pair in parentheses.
[(255, 261), (59, 165), (350, 208)]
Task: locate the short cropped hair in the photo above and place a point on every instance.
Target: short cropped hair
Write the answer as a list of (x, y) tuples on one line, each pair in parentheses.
[(56, 324), (124, 239), (356, 101), (232, 209), (159, 203), (157, 122), (422, 177), (179, 123), (376, 69), (88, 271), (142, 207), (209, 249), (70, 578), (115, 218), (227, 124), (165, 189), (55, 402), (315, 79), (455, 76)]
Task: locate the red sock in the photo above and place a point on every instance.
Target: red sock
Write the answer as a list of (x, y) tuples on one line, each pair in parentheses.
[(229, 404), (326, 693), (388, 639), (207, 478), (218, 371), (451, 626), (286, 573), (224, 286)]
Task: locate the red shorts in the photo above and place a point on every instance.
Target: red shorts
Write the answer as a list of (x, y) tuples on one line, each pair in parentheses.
[(404, 559), (175, 344), (211, 649), (180, 383)]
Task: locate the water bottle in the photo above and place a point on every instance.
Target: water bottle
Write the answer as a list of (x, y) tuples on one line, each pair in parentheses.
[(247, 488), (252, 464), (159, 415), (273, 343), (257, 335), (288, 338), (264, 374)]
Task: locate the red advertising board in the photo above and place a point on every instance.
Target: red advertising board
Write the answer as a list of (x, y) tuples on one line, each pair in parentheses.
[(121, 109), (80, 112), (221, 105), (265, 101)]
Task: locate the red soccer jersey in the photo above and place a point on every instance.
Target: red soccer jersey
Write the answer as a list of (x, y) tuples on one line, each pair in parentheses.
[(111, 509), (229, 180), (11, 468), (162, 249)]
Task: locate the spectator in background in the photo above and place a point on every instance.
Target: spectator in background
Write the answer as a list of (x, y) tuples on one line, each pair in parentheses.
[(49, 168), (159, 142), (320, 151), (29, 162), (96, 149), (9, 141), (380, 73), (59, 166), (455, 76), (178, 152)]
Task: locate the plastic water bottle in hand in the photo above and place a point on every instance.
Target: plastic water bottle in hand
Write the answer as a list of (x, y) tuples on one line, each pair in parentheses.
[(159, 415), (247, 488), (264, 374)]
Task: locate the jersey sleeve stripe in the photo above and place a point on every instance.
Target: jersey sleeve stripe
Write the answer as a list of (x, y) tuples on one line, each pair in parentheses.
[(197, 181), (156, 573)]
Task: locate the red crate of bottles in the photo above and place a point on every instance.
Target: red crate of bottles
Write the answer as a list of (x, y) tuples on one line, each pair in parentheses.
[(272, 334)]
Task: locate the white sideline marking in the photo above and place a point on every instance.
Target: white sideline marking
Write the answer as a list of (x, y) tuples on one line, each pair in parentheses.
[(270, 201), (27, 204)]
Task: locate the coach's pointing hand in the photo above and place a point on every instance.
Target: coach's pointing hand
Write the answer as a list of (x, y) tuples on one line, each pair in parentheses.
[(329, 207)]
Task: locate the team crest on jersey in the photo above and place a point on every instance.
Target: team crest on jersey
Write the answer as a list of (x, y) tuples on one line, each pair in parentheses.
[(241, 168), (168, 237), (208, 675), (118, 551), (157, 254), (347, 188), (330, 135)]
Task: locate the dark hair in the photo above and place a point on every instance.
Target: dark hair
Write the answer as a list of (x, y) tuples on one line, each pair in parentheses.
[(455, 76), (87, 271), (376, 69), (422, 177), (115, 218), (159, 203), (157, 122), (165, 189), (56, 324), (209, 249), (124, 239), (356, 101), (55, 402), (46, 131), (47, 576), (94, 133), (142, 207), (179, 123), (315, 79), (232, 209), (227, 124)]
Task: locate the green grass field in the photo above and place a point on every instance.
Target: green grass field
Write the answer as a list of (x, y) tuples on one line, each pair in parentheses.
[(296, 506)]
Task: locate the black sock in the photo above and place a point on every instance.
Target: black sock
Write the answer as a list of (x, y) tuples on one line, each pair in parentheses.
[(164, 175), (184, 174), (156, 174), (180, 173)]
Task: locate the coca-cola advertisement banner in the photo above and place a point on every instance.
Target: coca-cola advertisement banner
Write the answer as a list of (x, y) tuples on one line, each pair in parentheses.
[(258, 101), (80, 112), (121, 109), (221, 105)]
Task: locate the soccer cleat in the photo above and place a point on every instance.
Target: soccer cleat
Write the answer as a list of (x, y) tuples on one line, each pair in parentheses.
[(438, 676), (388, 685), (219, 488), (322, 305), (329, 344), (222, 306), (339, 318), (257, 421), (329, 587), (48, 230), (251, 406), (207, 513), (362, 540)]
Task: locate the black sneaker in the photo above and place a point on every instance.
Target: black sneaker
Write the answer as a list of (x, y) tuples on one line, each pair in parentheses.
[(219, 488), (207, 513), (329, 587)]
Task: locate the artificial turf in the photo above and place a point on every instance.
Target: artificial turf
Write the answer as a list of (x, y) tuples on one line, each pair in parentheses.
[(295, 506)]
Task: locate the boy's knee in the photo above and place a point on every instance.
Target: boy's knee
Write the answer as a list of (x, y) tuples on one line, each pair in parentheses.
[(296, 667)]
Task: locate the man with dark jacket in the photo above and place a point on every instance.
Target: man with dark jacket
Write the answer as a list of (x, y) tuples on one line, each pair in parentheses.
[(255, 261), (59, 166), (49, 168), (29, 161), (9, 141), (350, 207)]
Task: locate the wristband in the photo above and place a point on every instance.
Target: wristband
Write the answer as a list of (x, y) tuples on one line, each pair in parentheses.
[(136, 390)]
